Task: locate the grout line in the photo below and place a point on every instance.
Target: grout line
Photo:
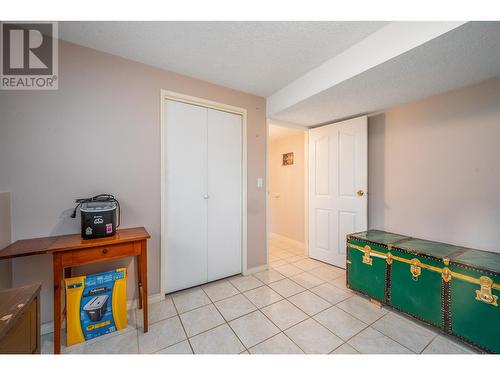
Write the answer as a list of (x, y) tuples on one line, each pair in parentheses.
[(183, 328)]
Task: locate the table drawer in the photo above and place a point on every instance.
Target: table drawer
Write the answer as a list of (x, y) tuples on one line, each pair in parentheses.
[(98, 254)]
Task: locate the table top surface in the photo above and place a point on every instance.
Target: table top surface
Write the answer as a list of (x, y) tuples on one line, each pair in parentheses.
[(47, 245), (13, 303)]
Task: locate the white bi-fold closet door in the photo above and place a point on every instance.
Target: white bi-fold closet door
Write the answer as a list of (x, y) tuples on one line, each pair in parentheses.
[(203, 156)]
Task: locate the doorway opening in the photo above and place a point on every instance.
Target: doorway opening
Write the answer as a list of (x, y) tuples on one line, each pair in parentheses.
[(318, 179), (287, 193)]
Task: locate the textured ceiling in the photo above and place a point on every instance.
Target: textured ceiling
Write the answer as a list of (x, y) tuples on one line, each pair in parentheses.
[(254, 57), (461, 57)]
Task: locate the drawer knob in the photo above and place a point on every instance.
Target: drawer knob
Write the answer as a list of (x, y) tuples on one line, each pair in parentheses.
[(104, 251)]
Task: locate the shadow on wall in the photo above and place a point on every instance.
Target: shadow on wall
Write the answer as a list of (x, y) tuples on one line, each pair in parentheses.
[(66, 224), (376, 172)]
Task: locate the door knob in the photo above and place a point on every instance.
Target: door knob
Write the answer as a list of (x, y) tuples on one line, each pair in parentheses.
[(360, 193), (205, 196)]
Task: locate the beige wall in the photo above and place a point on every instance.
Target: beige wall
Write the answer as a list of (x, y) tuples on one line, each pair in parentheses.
[(286, 213), (434, 168), (5, 237), (100, 132)]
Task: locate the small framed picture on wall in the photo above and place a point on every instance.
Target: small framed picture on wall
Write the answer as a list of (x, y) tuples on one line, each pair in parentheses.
[(288, 159)]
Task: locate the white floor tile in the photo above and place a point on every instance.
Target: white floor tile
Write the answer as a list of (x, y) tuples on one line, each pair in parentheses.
[(161, 335), (362, 309), (201, 319), (219, 290), (157, 311), (244, 283), (340, 323), (286, 287), (307, 280), (309, 302), (330, 293), (313, 338), (220, 340), (339, 282), (181, 348), (327, 273), (121, 344), (444, 345), (269, 276), (405, 331), (289, 270), (284, 314), (279, 344), (253, 328), (190, 299), (262, 296), (307, 264), (234, 307), (345, 349), (277, 263), (371, 341)]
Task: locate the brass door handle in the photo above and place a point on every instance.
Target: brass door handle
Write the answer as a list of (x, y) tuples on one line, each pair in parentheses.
[(360, 193)]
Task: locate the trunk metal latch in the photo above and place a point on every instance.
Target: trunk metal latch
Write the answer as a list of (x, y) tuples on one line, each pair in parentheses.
[(484, 294), (415, 269), (366, 257)]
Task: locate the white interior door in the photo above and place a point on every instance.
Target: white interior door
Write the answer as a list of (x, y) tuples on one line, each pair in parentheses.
[(224, 191), (338, 179), (186, 187)]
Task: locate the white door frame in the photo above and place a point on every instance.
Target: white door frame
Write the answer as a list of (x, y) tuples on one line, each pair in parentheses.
[(164, 95)]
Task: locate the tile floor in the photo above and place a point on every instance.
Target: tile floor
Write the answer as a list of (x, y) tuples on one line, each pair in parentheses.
[(298, 306)]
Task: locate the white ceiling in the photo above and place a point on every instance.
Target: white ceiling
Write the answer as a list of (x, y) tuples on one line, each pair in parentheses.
[(466, 55), (278, 132), (276, 59), (254, 57)]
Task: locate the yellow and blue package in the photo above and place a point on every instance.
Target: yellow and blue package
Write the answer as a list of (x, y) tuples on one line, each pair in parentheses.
[(95, 305)]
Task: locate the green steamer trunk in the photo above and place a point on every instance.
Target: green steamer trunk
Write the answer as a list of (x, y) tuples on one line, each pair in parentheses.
[(474, 299), (453, 288), (367, 270)]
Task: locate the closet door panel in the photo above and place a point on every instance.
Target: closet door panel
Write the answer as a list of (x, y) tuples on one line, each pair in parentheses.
[(186, 206), (224, 190)]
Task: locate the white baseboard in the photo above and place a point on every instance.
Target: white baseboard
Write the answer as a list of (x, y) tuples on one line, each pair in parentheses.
[(256, 269), (287, 240), (132, 304), (48, 327)]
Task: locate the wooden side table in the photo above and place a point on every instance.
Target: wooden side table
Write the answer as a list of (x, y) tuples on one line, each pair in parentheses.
[(72, 251)]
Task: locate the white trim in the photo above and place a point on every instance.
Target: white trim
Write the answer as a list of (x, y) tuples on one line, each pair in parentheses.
[(287, 240), (48, 327), (154, 298), (253, 270), (306, 192), (164, 95), (267, 193)]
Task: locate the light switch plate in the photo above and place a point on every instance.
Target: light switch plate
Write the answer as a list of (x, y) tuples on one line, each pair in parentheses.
[(260, 182)]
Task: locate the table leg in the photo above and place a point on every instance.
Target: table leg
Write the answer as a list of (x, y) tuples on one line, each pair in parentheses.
[(58, 273), (139, 280), (143, 289)]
